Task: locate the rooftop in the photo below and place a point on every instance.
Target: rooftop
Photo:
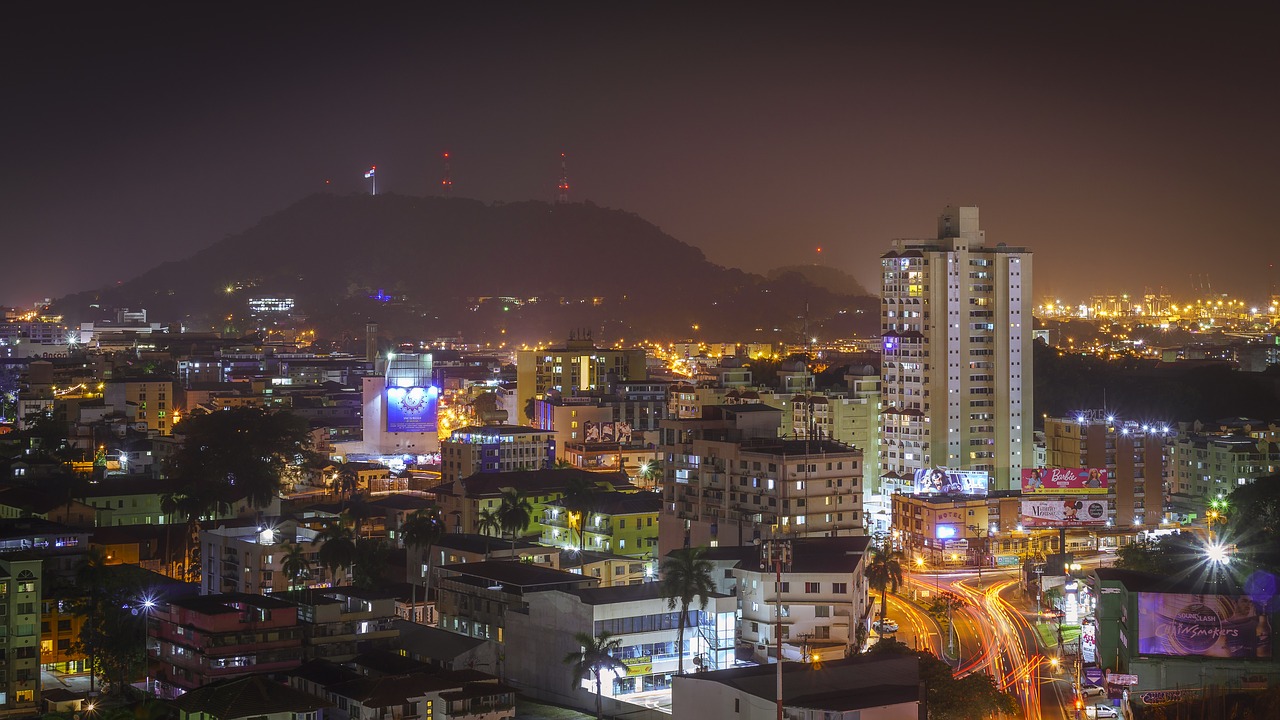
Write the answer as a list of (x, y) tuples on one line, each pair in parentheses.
[(249, 696), (623, 503), (513, 576), (546, 480)]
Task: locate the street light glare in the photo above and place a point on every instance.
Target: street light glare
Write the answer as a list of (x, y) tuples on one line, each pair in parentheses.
[(1217, 554)]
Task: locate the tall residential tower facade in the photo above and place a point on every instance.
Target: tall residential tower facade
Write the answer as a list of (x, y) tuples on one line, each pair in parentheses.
[(956, 377)]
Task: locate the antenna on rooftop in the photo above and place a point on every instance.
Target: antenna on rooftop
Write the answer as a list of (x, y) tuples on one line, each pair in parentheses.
[(446, 181)]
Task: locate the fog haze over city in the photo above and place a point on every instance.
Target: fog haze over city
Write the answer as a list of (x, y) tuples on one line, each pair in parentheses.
[(1130, 147)]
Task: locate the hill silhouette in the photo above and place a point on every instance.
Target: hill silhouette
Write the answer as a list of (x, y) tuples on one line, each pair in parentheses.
[(427, 267), (823, 276)]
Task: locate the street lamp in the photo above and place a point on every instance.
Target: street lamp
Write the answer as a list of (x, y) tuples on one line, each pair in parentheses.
[(144, 608)]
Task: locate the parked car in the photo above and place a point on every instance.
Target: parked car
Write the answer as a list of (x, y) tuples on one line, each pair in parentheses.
[(1101, 711), (888, 626), (1090, 691)]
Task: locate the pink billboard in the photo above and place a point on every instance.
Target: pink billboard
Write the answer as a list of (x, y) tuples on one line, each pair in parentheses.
[(1064, 481)]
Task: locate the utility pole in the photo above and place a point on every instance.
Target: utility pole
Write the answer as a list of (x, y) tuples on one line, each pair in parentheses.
[(777, 552)]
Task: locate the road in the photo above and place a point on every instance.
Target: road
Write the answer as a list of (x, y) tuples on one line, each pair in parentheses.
[(995, 636)]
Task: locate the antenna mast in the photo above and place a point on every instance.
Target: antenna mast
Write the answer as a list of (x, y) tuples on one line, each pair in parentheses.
[(562, 196), (446, 181)]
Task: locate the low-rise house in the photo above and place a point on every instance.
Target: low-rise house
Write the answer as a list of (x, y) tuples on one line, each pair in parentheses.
[(420, 694), (339, 623), (473, 599), (252, 696), (824, 599), (866, 687)]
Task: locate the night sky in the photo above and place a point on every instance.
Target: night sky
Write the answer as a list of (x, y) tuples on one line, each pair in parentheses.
[(1129, 148)]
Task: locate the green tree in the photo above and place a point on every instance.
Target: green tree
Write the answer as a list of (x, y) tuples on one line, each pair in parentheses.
[(580, 498), (114, 610), (1253, 521), (514, 514), (884, 573), (369, 567), (686, 577), (973, 697), (593, 658), (488, 523), (242, 449), (423, 529), (337, 548), (296, 565)]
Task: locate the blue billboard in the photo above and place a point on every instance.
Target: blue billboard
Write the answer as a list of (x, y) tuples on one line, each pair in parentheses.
[(412, 409)]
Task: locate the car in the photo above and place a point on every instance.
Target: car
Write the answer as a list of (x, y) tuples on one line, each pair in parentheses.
[(1089, 691), (1102, 711), (888, 626)]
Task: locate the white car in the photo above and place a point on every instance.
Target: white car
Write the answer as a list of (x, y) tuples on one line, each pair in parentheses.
[(1101, 711), (1089, 691), (888, 626)]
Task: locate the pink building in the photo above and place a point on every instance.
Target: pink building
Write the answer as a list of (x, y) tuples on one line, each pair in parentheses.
[(195, 641)]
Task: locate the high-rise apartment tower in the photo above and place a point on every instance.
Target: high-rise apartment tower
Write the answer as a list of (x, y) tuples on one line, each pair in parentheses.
[(956, 377)]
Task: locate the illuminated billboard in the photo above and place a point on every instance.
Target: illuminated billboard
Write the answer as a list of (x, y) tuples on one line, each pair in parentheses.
[(607, 432), (1064, 481), (1081, 512), (944, 481), (1203, 626), (412, 409)]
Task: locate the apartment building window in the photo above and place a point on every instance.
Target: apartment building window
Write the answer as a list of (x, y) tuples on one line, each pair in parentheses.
[(840, 588), (812, 588)]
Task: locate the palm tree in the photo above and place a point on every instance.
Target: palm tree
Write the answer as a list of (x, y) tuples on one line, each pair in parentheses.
[(338, 548), (514, 514), (90, 575), (295, 565), (357, 511), (595, 657), (488, 523), (579, 497), (686, 576), (422, 529), (884, 571)]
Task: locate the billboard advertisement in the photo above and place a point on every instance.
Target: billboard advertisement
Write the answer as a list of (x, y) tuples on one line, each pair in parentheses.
[(1064, 481), (607, 432), (1203, 626), (412, 409), (1075, 512), (945, 481)]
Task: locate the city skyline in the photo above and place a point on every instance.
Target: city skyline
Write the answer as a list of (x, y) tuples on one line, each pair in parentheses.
[(1126, 138)]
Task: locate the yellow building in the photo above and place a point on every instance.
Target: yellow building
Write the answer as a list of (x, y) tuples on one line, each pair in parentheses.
[(577, 368), (622, 523), (149, 401)]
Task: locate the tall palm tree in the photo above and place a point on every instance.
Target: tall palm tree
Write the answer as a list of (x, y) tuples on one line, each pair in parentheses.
[(337, 549), (488, 523), (579, 497), (594, 657), (423, 529), (514, 514), (90, 576), (296, 565), (686, 576), (357, 511), (884, 571)]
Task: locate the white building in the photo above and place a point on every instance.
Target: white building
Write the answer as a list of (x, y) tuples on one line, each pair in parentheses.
[(956, 332), (857, 688), (824, 599), (250, 558), (400, 408), (638, 616)]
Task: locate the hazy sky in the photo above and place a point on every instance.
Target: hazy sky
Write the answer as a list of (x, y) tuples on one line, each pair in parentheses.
[(1128, 147)]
